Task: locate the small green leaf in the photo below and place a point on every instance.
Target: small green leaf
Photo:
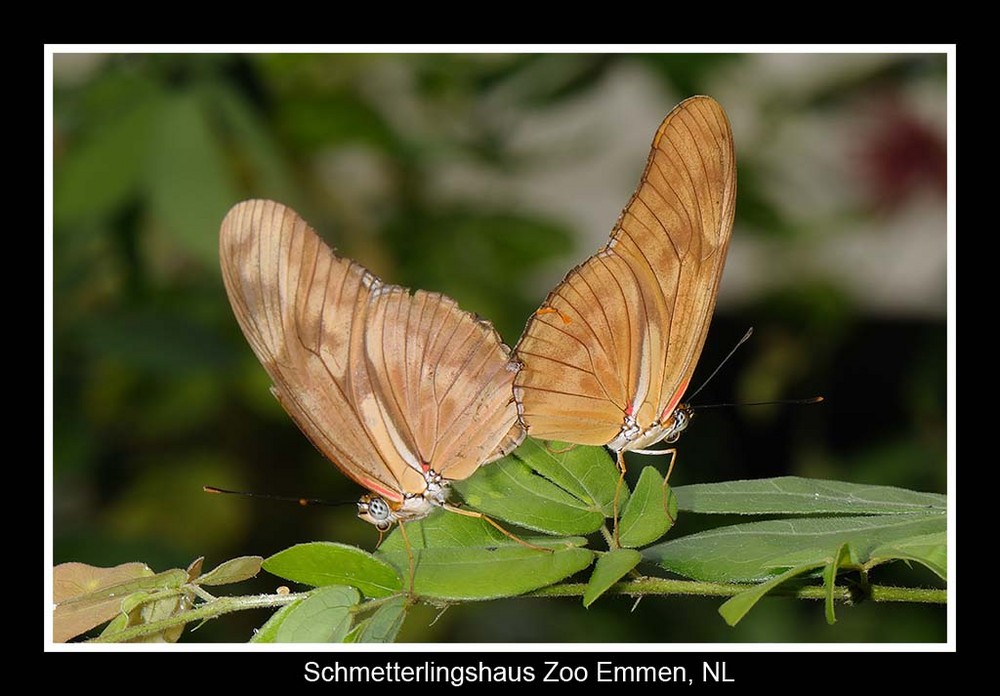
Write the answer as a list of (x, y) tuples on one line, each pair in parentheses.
[(608, 570), (355, 632), (760, 550), (463, 558), (268, 633), (588, 473), (930, 550), (843, 556), (326, 563), (322, 617), (235, 570), (384, 624), (792, 495), (736, 607), (116, 624), (194, 568), (644, 519), (509, 490)]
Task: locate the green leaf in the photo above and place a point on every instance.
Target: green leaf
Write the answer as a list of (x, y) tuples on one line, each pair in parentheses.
[(736, 607), (100, 174), (190, 189), (608, 570), (509, 490), (326, 563), (384, 624), (928, 549), (588, 473), (760, 550), (235, 570), (843, 555), (792, 495), (462, 558), (119, 623), (355, 632), (322, 617), (645, 519), (268, 633)]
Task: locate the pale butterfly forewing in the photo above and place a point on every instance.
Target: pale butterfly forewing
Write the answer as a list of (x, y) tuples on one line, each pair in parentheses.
[(402, 392), (607, 358)]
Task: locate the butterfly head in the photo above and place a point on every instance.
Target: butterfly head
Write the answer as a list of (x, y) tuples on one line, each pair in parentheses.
[(678, 423), (633, 437), (383, 512)]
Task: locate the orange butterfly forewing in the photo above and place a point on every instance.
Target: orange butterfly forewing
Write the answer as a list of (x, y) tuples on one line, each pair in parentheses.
[(403, 392), (608, 357)]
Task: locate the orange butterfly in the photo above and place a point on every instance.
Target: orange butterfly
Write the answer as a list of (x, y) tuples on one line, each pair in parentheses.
[(609, 355), (403, 392)]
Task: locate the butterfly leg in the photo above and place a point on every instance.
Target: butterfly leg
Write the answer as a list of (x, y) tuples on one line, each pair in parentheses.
[(618, 490), (497, 526), (568, 448), (409, 555), (666, 488)]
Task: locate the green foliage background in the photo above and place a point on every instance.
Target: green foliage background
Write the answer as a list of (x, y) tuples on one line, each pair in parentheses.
[(156, 392)]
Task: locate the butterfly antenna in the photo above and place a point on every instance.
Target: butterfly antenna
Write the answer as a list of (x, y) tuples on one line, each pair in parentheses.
[(810, 400), (743, 340), (283, 498)]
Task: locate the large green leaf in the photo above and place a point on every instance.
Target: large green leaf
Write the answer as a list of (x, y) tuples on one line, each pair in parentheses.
[(760, 550), (322, 617), (588, 473), (792, 495), (326, 563), (509, 490), (645, 518), (461, 558)]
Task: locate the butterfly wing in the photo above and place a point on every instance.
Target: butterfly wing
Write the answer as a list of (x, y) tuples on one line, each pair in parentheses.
[(303, 309), (623, 331), (444, 376)]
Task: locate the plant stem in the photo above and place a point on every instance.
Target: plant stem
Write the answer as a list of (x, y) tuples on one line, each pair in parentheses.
[(208, 610), (663, 587)]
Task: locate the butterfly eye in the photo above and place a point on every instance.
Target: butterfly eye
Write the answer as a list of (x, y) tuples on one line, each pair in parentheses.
[(379, 511)]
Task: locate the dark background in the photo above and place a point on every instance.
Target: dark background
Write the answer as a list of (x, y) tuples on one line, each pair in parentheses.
[(487, 177)]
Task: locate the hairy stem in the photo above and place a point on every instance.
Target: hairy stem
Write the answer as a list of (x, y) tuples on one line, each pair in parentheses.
[(663, 587), (208, 610)]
